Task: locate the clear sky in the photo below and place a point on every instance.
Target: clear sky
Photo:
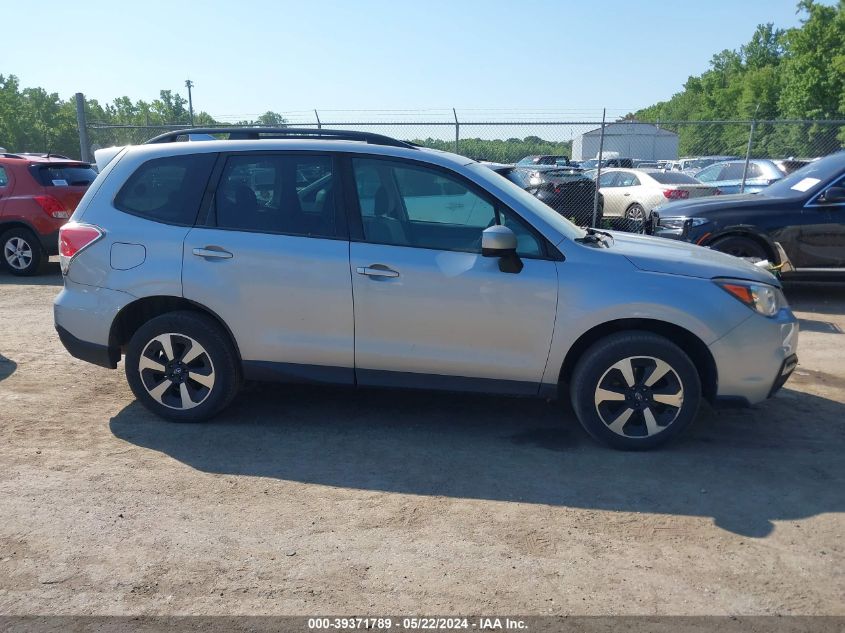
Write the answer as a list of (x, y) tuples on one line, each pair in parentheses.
[(247, 56)]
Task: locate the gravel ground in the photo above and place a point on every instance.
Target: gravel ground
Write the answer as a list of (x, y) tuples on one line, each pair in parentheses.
[(302, 500)]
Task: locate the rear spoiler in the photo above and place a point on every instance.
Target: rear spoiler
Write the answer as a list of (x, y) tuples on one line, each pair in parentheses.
[(104, 156)]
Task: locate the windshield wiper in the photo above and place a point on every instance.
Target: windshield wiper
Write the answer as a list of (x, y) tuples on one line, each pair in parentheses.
[(595, 236)]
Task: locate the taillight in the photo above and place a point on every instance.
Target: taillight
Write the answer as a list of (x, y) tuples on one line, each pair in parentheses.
[(75, 238), (676, 194), (53, 207)]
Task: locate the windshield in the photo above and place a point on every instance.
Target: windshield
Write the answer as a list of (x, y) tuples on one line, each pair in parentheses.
[(809, 179), (545, 212)]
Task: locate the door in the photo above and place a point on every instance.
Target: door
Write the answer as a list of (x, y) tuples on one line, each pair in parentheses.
[(5, 187), (272, 260), (630, 191), (821, 235), (430, 310), (613, 200)]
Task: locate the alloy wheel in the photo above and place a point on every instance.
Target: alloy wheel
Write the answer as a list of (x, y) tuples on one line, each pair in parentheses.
[(18, 253), (639, 396), (176, 371)]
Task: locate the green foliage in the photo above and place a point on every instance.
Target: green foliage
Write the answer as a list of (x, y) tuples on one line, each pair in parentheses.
[(498, 150), (33, 120), (794, 74)]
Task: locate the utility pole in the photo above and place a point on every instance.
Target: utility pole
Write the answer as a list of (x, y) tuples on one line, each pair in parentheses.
[(598, 171), (82, 124), (190, 84), (748, 151)]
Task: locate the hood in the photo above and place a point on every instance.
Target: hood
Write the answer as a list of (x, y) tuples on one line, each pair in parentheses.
[(662, 255), (693, 206)]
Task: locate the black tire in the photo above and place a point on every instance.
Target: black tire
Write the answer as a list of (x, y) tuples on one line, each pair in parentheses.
[(595, 374), (217, 365), (21, 252), (740, 246), (635, 213)]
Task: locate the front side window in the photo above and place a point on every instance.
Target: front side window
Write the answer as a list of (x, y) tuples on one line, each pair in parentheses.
[(287, 194), (168, 189), (408, 205), (608, 179)]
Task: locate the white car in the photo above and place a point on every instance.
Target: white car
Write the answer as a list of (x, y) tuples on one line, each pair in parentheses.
[(633, 193)]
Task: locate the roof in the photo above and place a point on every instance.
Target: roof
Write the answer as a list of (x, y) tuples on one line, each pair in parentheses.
[(38, 158), (632, 128)]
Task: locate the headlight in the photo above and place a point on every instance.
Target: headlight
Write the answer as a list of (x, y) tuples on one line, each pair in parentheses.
[(762, 298), (677, 222)]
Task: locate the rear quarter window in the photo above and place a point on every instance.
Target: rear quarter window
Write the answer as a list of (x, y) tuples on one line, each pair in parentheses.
[(167, 189)]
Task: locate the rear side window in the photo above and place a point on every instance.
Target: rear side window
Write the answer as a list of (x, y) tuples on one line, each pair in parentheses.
[(4, 179), (287, 193), (168, 189), (64, 175)]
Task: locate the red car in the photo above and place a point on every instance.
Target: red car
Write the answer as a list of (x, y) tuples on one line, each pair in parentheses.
[(38, 193)]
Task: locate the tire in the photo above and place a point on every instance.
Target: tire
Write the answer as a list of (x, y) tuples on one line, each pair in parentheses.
[(164, 383), (635, 213), (740, 246), (21, 251), (614, 401)]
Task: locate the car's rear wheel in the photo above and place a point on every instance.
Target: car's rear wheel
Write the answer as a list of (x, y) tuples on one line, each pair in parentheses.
[(635, 390), (635, 213), (22, 252), (183, 367), (740, 246)]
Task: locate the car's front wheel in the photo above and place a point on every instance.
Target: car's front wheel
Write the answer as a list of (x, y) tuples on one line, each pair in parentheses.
[(22, 252), (635, 390), (182, 366)]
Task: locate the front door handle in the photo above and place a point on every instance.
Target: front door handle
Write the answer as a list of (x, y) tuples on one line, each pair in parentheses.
[(212, 252), (376, 270)]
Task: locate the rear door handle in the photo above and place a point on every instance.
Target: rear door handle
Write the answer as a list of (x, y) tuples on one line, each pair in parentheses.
[(376, 270), (213, 252)]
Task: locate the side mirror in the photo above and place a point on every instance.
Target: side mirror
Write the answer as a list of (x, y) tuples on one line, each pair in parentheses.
[(499, 241), (833, 194)]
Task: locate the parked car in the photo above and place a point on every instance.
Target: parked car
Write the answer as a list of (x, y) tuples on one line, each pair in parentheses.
[(646, 164), (627, 163), (797, 224), (38, 193), (543, 160), (633, 193), (566, 190), (727, 176), (405, 267), (691, 166)]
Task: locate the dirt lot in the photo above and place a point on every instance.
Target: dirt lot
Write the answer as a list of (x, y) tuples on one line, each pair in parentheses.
[(303, 501)]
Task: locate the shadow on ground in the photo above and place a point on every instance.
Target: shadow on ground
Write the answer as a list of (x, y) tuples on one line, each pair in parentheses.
[(7, 367), (784, 459), (51, 276)]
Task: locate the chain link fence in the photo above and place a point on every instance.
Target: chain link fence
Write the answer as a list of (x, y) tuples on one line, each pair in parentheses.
[(562, 162)]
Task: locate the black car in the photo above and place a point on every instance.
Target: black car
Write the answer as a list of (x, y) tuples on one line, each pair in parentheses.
[(797, 223), (565, 189)]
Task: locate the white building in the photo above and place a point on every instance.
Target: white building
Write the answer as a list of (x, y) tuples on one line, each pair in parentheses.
[(627, 139)]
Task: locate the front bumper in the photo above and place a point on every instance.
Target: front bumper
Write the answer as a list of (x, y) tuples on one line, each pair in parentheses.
[(755, 359)]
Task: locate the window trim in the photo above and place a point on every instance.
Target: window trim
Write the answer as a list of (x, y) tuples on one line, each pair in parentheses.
[(356, 223), (208, 211)]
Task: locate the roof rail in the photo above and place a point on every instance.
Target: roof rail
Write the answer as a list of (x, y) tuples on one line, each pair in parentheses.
[(245, 133)]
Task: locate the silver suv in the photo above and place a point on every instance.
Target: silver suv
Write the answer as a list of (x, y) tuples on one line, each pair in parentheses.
[(353, 258)]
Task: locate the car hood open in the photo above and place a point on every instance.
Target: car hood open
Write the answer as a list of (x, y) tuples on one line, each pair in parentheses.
[(661, 255)]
